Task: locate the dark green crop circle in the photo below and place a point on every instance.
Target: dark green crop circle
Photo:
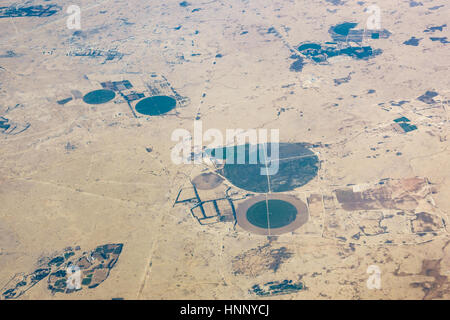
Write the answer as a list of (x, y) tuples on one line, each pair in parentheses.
[(155, 106), (280, 214), (99, 96)]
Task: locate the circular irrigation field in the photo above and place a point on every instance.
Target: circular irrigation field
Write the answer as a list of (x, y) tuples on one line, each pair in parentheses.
[(296, 164), (272, 214), (155, 106), (207, 181), (99, 96)]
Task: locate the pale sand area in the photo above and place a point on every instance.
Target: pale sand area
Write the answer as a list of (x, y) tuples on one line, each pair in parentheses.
[(110, 189)]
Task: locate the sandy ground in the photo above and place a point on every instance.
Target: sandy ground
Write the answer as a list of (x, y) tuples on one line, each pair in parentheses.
[(81, 175)]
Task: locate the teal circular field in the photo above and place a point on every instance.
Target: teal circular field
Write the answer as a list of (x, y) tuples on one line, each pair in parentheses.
[(155, 106), (99, 96), (294, 163), (280, 214)]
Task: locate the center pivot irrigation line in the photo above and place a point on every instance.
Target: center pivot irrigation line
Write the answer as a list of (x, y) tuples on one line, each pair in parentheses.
[(269, 190)]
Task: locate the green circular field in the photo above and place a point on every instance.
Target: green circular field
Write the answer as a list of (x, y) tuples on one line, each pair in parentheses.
[(99, 96), (296, 164), (280, 214), (155, 106)]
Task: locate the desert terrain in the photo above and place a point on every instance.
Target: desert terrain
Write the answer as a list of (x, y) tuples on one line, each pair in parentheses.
[(87, 176)]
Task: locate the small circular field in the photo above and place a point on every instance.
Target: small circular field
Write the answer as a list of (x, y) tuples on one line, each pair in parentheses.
[(272, 214)]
